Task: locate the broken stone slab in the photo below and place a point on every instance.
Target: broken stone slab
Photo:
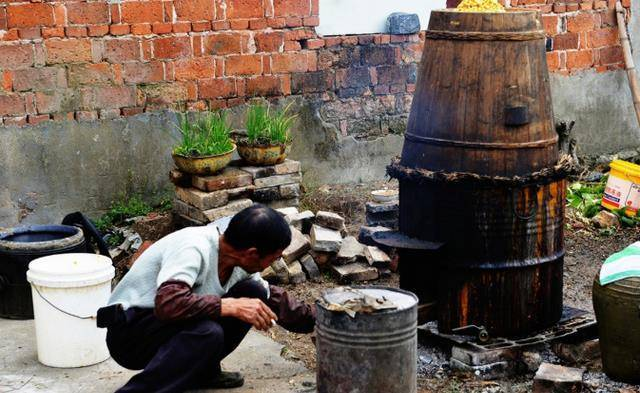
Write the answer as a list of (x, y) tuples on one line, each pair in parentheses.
[(366, 234), (605, 219), (240, 192), (553, 378), (302, 221), (323, 239), (294, 202), (488, 371), (322, 258), (484, 364), (581, 353), (287, 167), (329, 220), (385, 222), (296, 275), (281, 269), (153, 226), (310, 267), (202, 200), (376, 257), (355, 272), (229, 178), (287, 211), (350, 251), (289, 191), (267, 194), (258, 172), (385, 207), (403, 23), (207, 216), (269, 275), (179, 178), (298, 247), (277, 180)]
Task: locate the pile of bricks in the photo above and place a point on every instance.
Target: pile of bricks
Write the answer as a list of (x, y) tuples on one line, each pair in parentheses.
[(320, 242), (202, 199)]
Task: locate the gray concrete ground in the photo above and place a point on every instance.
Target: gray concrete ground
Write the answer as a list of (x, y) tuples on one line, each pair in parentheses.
[(258, 358)]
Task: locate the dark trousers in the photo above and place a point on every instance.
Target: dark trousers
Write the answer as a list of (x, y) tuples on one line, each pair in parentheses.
[(176, 356)]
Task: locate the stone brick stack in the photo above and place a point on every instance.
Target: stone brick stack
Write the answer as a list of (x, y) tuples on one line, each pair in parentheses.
[(202, 199), (320, 242)]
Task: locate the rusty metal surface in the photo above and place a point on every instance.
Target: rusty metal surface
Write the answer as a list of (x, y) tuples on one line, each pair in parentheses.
[(397, 239)]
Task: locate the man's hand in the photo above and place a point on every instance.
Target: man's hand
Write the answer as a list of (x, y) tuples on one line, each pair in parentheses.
[(252, 311)]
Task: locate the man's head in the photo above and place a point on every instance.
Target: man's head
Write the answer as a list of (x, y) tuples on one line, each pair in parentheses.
[(257, 235)]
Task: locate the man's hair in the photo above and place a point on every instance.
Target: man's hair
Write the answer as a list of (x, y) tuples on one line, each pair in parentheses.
[(258, 226)]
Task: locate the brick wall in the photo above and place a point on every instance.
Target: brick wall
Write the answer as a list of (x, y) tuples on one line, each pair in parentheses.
[(582, 34), (82, 60)]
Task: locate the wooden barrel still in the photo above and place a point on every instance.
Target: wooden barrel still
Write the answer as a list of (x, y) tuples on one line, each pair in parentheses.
[(482, 102)]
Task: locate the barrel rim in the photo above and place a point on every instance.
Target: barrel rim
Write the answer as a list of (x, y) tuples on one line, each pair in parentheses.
[(382, 312), (76, 237)]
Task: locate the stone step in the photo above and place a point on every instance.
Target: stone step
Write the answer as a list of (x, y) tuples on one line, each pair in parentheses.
[(355, 272)]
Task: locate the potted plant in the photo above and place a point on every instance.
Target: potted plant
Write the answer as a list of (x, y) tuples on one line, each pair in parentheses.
[(268, 140), (206, 146)]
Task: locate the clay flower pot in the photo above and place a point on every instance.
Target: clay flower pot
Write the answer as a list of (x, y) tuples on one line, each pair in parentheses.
[(263, 155), (205, 165)]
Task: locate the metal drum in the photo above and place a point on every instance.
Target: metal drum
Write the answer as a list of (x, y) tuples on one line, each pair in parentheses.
[(371, 352)]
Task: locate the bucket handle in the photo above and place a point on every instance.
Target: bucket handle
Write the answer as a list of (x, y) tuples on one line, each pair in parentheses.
[(89, 230), (58, 308), (514, 205)]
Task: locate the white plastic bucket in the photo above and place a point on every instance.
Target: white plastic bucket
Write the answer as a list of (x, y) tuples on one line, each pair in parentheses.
[(68, 290)]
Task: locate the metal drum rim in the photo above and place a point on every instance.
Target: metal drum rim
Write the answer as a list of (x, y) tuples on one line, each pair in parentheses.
[(383, 312)]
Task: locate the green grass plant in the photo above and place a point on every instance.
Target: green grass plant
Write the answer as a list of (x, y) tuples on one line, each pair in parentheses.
[(266, 127), (122, 209), (206, 135)]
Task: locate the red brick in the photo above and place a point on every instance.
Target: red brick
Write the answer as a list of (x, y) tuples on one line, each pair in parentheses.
[(132, 111), (565, 41), (141, 28), (550, 24), (193, 69), (267, 85), (163, 95), (46, 78), (293, 21), (296, 8), (269, 42), (115, 13), (258, 24), (3, 18), (181, 27), (60, 100), (579, 59), (245, 9), (121, 50), (216, 88), (171, 47), (314, 43), (90, 74), (580, 22), (602, 37), (11, 35), (220, 25), (52, 32), (98, 30), (161, 28), (610, 55), (277, 23), (7, 81), (108, 97), (119, 29), (29, 33), (93, 13), (289, 62), (223, 44), (68, 51), (11, 104), (143, 72), (553, 61), (243, 65), (142, 12), (239, 24), (194, 10), (292, 46), (201, 26), (76, 31), (147, 47), (37, 119), (86, 115), (62, 116), (15, 121), (30, 15), (311, 21)]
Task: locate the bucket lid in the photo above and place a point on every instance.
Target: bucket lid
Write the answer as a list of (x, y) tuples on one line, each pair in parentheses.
[(70, 270), (349, 299)]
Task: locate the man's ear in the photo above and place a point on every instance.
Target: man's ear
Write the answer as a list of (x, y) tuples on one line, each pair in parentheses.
[(252, 253)]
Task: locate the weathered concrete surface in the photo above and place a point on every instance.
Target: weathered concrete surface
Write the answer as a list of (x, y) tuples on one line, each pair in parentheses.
[(56, 168), (258, 358)]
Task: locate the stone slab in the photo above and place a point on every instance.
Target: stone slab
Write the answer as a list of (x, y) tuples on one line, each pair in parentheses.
[(202, 200), (323, 239), (375, 207), (267, 194), (329, 220), (355, 272), (298, 247), (287, 211), (281, 269), (296, 274), (293, 202), (366, 234), (302, 221), (288, 166), (258, 172), (207, 216), (257, 358), (229, 178), (323, 259), (289, 191), (269, 275), (310, 267), (376, 257), (277, 180), (240, 192), (553, 378), (350, 251), (403, 23)]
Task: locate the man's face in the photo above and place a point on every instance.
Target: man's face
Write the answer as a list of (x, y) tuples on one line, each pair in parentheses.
[(254, 263)]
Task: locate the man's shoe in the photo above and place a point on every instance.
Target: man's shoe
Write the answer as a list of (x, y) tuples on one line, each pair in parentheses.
[(227, 380)]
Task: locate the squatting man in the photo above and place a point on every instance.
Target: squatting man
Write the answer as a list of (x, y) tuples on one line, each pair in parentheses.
[(190, 299)]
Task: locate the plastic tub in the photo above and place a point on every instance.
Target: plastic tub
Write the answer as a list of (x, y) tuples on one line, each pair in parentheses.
[(67, 291), (623, 187)]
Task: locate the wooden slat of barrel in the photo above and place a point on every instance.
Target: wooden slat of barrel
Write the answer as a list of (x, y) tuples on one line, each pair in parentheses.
[(465, 86)]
